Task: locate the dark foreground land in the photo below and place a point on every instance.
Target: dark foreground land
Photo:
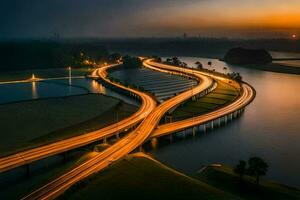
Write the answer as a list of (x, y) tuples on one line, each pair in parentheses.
[(33, 123), (140, 177), (225, 179)]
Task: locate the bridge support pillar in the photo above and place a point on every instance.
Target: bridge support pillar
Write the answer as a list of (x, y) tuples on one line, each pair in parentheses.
[(219, 122), (194, 131), (140, 148), (212, 124), (204, 128), (105, 140), (225, 119), (118, 136)]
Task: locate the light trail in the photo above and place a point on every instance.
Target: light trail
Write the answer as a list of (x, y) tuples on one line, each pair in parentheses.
[(38, 153), (120, 148), (246, 96)]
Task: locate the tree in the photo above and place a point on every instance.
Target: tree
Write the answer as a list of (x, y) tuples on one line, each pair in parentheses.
[(132, 62), (183, 64), (199, 65), (257, 167), (115, 57), (240, 169), (157, 58), (236, 76), (169, 60), (209, 63), (176, 61)]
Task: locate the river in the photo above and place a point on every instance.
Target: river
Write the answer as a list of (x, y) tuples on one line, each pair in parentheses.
[(269, 128)]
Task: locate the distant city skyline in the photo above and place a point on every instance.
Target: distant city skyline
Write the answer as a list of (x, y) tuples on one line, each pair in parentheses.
[(138, 18)]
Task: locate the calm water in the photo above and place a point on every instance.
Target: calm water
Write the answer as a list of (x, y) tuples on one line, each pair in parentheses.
[(54, 88), (269, 128)]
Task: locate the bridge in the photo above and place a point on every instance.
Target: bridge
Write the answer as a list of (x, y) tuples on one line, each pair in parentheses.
[(144, 131)]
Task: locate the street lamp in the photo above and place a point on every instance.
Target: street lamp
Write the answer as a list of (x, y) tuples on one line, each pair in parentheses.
[(70, 75)]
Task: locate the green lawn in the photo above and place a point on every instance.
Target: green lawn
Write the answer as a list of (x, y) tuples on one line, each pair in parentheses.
[(225, 179), (222, 95), (137, 177), (33, 123)]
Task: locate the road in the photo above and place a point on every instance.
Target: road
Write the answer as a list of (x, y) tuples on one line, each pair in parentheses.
[(38, 153), (244, 99), (125, 145), (246, 96)]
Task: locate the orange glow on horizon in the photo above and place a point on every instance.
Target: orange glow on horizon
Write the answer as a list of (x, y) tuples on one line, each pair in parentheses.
[(238, 16)]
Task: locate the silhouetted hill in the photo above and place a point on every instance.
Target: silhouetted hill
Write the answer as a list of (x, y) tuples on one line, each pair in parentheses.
[(241, 56)]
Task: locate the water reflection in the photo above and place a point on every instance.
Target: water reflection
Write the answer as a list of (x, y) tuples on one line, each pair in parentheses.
[(268, 128), (96, 86), (34, 90)]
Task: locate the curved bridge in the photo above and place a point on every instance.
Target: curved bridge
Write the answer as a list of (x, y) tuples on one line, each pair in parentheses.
[(123, 146), (38, 153), (146, 129)]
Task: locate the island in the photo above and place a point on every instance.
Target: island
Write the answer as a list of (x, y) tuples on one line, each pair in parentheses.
[(242, 56)]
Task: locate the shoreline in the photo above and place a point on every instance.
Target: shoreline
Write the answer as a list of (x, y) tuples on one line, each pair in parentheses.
[(275, 67), (271, 67)]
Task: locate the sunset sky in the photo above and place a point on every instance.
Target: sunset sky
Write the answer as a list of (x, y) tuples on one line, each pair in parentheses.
[(136, 18)]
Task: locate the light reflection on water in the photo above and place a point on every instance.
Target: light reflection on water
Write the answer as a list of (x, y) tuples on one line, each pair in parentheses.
[(34, 92), (55, 88), (269, 128)]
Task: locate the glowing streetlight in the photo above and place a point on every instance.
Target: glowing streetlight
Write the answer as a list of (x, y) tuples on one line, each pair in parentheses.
[(294, 36), (70, 75)]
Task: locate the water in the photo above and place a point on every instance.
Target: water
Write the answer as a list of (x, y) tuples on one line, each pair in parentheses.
[(269, 128), (55, 88)]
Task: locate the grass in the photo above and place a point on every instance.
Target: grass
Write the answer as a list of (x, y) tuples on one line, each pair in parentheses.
[(222, 95), (32, 123), (225, 179), (41, 73), (138, 177)]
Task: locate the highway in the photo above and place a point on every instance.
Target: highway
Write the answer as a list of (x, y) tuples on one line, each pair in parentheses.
[(246, 96), (125, 145), (28, 156), (145, 130), (244, 99)]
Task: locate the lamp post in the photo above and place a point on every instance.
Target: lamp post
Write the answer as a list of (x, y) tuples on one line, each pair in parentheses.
[(70, 75)]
